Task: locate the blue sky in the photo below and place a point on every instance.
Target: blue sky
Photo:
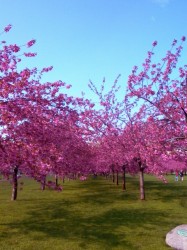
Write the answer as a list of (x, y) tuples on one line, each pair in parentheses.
[(92, 39)]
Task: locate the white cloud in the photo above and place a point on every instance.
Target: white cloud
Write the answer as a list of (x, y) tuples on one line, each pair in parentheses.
[(161, 3)]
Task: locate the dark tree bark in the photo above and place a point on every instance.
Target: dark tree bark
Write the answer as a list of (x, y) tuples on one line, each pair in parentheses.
[(142, 189), (43, 184), (56, 180), (124, 178), (15, 184), (141, 167), (113, 173), (117, 178)]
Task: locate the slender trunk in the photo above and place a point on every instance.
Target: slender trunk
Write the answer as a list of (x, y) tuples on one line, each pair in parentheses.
[(124, 179), (43, 183), (142, 189), (56, 180), (113, 176), (117, 178), (15, 184)]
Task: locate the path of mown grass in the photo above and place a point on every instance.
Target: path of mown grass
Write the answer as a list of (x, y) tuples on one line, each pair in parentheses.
[(95, 214)]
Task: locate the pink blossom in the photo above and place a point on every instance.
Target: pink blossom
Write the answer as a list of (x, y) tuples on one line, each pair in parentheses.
[(154, 43), (47, 69), (30, 54), (174, 42), (103, 103), (59, 188), (68, 86), (7, 28), (31, 42), (14, 48), (83, 178), (92, 105), (153, 65), (183, 38)]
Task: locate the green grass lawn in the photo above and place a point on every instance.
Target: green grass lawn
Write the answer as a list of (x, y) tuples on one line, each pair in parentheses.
[(94, 214)]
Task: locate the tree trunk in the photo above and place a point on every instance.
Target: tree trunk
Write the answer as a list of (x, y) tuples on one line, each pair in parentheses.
[(142, 190), (56, 180), (15, 184), (113, 176), (117, 178), (124, 179), (43, 183)]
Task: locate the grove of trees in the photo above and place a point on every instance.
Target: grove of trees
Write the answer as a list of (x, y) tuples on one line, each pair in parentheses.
[(45, 132)]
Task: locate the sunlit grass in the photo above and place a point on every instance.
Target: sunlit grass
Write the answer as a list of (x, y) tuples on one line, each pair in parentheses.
[(94, 214)]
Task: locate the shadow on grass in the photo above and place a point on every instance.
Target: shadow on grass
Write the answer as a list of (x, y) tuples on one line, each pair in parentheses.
[(57, 221), (154, 190), (166, 192), (85, 214)]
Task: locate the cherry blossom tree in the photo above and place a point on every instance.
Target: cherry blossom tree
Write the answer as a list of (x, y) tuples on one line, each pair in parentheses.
[(39, 126), (132, 140), (160, 88)]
